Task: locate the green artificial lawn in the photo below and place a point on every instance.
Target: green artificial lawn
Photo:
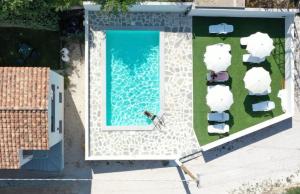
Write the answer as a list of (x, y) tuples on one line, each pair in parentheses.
[(45, 43), (241, 115)]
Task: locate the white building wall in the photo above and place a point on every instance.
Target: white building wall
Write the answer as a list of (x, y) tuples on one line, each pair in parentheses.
[(247, 12), (58, 81), (289, 63)]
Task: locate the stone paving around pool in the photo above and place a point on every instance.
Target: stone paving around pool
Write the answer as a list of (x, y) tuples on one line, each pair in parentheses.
[(178, 137)]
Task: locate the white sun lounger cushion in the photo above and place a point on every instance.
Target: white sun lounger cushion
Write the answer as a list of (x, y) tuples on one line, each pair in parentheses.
[(261, 94), (222, 28), (263, 106), (218, 117), (218, 128), (221, 77), (250, 59)]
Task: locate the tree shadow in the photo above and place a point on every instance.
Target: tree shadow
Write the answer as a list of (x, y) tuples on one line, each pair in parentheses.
[(241, 142)]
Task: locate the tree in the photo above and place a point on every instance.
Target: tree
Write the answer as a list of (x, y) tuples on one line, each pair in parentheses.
[(28, 13), (44, 13), (115, 5), (106, 5)]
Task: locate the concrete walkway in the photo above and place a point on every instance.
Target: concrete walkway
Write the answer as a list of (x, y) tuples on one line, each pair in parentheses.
[(273, 162)]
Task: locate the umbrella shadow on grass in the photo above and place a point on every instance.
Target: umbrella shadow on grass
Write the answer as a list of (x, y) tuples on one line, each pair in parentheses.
[(230, 122), (249, 100), (226, 83), (266, 65)]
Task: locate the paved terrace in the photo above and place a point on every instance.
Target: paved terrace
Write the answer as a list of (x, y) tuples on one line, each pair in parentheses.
[(178, 137)]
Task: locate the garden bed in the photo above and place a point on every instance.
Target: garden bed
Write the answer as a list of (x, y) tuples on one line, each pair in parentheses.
[(38, 47)]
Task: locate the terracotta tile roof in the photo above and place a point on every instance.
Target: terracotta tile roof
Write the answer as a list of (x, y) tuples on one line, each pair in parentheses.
[(23, 88), (23, 112)]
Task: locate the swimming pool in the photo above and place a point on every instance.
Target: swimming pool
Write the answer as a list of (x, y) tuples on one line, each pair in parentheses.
[(132, 76)]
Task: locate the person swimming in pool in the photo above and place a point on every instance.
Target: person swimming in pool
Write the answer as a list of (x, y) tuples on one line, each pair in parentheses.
[(152, 117)]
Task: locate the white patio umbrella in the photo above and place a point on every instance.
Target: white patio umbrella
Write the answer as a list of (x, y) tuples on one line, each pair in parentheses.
[(257, 80), (219, 98), (260, 45), (217, 58)]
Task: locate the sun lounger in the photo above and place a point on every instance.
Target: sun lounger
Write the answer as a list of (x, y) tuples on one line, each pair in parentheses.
[(250, 59), (261, 94), (229, 28), (218, 117), (210, 87), (244, 41), (222, 28), (65, 58), (64, 51), (263, 106), (221, 77), (218, 128)]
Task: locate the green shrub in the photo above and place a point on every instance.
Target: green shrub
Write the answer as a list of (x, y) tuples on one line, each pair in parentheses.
[(294, 190), (28, 13), (43, 14)]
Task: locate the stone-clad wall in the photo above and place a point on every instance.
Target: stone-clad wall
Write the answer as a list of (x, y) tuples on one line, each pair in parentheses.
[(178, 137)]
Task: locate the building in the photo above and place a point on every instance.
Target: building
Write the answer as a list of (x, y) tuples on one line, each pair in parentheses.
[(31, 114)]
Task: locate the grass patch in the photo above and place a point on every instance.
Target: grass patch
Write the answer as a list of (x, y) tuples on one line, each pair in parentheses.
[(45, 43), (241, 116), (295, 190)]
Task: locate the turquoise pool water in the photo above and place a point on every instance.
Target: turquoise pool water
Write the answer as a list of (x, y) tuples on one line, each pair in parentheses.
[(132, 76)]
